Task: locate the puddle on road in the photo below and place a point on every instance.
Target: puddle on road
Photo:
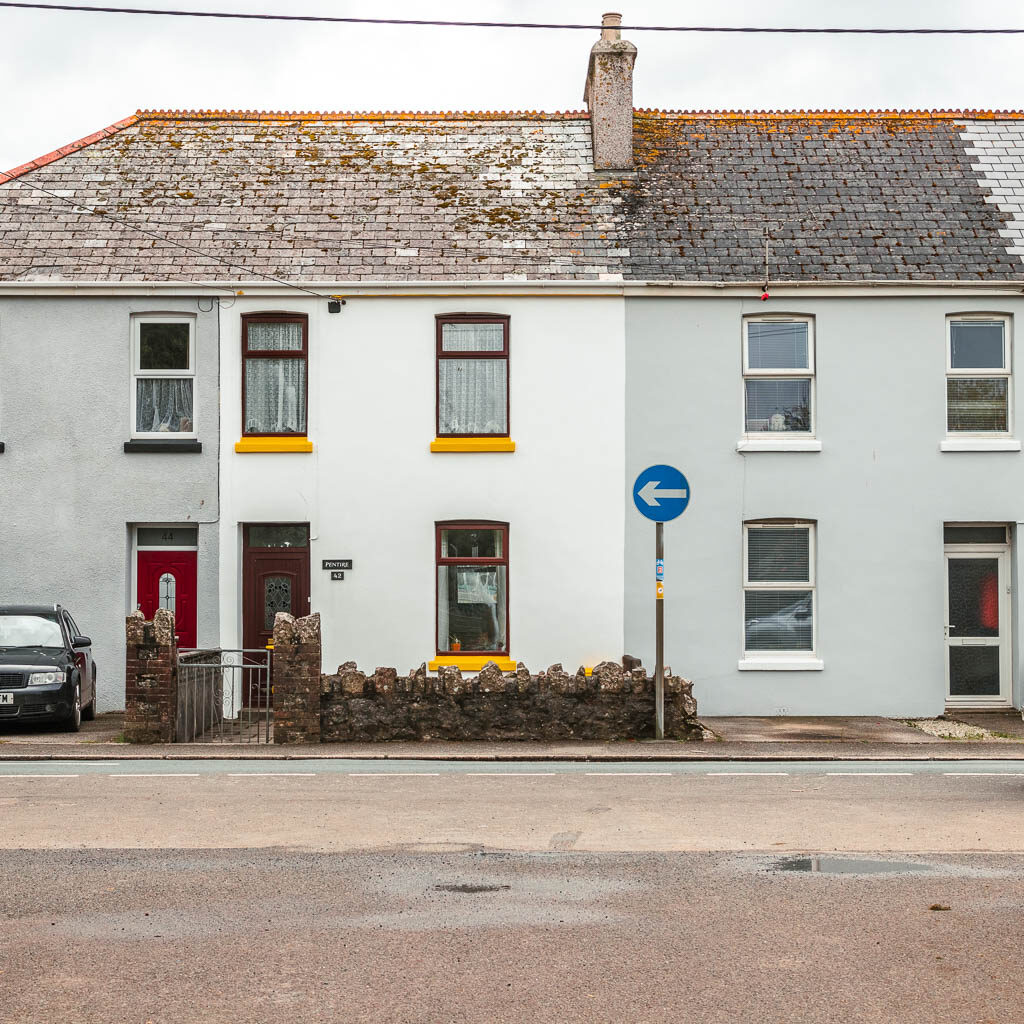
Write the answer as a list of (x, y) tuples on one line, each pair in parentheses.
[(849, 866)]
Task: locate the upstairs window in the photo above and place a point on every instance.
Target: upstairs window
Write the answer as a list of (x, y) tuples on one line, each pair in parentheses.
[(778, 376), (472, 376), (472, 588), (978, 376), (778, 588), (274, 385), (164, 369)]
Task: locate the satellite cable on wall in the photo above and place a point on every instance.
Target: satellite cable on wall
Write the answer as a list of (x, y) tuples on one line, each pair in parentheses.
[(764, 291)]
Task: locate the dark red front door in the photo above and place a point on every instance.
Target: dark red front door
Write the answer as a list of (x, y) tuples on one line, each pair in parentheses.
[(167, 579), (274, 579)]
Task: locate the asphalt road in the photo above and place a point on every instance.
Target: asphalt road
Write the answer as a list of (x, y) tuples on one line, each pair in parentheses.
[(414, 892)]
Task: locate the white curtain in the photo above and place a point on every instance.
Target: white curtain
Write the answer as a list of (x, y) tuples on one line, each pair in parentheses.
[(472, 337), (272, 337), (163, 405), (275, 396), (473, 396), (442, 608)]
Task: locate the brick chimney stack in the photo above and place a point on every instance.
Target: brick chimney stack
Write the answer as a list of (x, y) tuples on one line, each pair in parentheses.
[(609, 97)]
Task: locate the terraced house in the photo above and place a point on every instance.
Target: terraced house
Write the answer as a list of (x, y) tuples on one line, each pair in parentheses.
[(402, 369)]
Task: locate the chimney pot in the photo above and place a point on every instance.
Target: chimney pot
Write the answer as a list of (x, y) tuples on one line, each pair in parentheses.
[(610, 23)]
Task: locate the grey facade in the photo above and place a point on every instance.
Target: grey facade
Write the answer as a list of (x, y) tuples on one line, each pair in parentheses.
[(70, 496), (879, 491)]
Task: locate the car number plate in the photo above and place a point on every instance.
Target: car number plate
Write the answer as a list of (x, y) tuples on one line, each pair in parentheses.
[(6, 698)]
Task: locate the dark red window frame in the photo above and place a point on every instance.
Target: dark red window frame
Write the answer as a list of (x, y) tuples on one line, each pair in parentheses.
[(277, 353), (471, 524), (471, 318)]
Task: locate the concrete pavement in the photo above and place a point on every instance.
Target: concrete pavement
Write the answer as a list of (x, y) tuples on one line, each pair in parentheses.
[(868, 738)]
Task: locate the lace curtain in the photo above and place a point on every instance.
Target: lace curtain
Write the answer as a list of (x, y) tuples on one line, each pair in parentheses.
[(472, 337), (275, 396), (473, 396), (272, 337), (163, 405)]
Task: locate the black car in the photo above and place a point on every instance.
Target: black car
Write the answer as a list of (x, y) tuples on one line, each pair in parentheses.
[(46, 667)]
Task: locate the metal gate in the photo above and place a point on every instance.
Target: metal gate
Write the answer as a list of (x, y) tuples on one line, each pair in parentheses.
[(224, 697)]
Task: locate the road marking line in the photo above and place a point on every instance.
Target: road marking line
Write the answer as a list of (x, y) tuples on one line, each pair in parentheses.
[(616, 774), (86, 764), (153, 775), (386, 775), (965, 775), (270, 775), (871, 774), (747, 773), (48, 775), (515, 775)]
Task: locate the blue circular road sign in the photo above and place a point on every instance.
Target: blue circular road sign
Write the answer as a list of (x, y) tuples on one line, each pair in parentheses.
[(661, 493)]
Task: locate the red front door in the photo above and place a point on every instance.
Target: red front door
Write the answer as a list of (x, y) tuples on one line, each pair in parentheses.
[(167, 579)]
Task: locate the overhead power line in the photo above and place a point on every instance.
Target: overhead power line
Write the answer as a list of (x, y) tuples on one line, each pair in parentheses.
[(233, 264), (321, 18), (470, 252)]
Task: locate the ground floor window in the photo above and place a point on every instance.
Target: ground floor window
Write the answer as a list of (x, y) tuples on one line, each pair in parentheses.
[(778, 587), (472, 588)]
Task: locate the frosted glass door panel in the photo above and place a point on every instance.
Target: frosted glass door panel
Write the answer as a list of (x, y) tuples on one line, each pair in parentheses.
[(973, 597)]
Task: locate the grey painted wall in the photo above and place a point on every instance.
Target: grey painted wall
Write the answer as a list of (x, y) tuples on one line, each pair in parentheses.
[(880, 491), (68, 491)]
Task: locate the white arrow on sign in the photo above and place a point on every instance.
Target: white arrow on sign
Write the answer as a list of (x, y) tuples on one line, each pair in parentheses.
[(650, 494)]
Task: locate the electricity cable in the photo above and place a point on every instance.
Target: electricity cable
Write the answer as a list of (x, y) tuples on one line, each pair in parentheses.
[(471, 251), (234, 264), (418, 22)]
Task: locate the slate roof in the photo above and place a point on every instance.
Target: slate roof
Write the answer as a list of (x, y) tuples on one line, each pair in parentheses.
[(499, 196), (314, 196), (841, 196)]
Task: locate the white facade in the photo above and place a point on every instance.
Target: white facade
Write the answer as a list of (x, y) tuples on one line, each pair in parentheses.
[(372, 491)]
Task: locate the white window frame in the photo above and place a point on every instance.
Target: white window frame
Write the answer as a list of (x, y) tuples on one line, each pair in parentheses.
[(775, 441), (791, 661), (980, 441), (138, 372)]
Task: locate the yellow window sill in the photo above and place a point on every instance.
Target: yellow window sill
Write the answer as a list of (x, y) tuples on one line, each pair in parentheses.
[(472, 444), (274, 444), (472, 662)]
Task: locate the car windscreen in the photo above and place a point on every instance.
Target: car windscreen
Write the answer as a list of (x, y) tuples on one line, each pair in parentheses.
[(30, 631)]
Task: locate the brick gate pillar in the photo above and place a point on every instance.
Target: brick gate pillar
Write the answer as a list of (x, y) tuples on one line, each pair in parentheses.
[(296, 679), (151, 678)]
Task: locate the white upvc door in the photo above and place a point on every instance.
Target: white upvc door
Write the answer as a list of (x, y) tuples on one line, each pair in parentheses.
[(978, 657)]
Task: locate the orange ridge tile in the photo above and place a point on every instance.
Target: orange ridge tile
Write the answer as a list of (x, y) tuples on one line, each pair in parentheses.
[(954, 115), (360, 115)]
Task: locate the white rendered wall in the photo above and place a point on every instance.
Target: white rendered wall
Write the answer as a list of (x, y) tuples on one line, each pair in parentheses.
[(372, 491)]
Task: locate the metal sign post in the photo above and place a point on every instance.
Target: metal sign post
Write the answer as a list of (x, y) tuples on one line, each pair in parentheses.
[(659, 630), (660, 493)]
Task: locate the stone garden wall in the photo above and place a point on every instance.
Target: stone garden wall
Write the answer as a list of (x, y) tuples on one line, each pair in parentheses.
[(612, 702)]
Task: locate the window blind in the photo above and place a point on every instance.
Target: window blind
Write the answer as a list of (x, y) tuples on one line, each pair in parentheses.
[(777, 346), (778, 555)]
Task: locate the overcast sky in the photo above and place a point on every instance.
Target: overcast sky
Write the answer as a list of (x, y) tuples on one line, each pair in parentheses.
[(64, 75)]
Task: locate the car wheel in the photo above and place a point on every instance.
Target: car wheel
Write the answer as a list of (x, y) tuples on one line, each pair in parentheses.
[(89, 713), (74, 721)]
